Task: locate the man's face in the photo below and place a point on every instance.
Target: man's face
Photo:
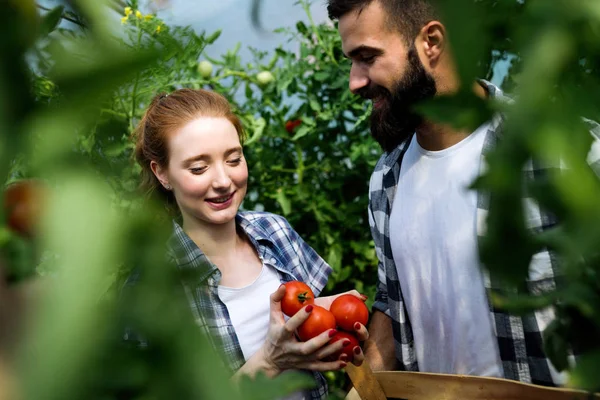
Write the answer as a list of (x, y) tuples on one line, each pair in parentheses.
[(387, 71)]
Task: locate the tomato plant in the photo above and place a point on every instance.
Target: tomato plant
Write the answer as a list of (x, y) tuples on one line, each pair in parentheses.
[(348, 310), (297, 295), (319, 321), (348, 349)]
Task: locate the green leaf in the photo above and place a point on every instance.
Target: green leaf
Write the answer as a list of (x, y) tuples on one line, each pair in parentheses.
[(585, 374), (262, 387), (302, 131), (315, 105), (301, 27), (284, 202), (462, 111), (83, 71), (51, 20), (556, 345), (213, 38), (522, 304), (258, 128)]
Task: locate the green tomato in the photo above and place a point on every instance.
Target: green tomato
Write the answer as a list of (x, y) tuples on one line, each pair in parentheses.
[(264, 78), (205, 69)]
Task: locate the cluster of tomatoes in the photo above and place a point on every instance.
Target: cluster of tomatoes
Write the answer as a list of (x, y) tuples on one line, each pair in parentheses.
[(345, 311)]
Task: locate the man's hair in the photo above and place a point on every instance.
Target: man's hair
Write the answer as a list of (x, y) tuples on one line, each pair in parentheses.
[(405, 16)]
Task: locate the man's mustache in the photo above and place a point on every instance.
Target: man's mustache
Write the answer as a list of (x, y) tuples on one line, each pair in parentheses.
[(373, 92)]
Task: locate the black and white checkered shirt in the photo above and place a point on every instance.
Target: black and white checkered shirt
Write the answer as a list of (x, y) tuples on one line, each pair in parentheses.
[(519, 337)]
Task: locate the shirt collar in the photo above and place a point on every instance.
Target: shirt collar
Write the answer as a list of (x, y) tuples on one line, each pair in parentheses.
[(193, 263)]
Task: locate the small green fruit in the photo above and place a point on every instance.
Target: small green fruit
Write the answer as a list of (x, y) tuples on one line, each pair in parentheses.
[(205, 69), (264, 78)]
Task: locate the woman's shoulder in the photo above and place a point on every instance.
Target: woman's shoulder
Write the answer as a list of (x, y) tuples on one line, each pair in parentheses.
[(265, 220)]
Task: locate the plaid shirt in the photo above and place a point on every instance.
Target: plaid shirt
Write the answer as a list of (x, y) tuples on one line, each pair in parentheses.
[(279, 246), (519, 338)]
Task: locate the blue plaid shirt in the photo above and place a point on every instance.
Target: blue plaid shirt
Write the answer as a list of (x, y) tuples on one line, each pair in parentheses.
[(279, 246), (519, 337)]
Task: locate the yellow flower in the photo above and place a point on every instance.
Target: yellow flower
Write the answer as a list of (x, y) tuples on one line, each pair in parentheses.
[(148, 17), (158, 28), (124, 20), (138, 13), (128, 11)]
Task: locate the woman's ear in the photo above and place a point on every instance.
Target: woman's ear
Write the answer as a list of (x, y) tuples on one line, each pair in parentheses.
[(433, 41), (161, 174)]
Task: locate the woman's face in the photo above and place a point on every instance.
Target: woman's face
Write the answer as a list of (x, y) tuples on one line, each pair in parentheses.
[(207, 171)]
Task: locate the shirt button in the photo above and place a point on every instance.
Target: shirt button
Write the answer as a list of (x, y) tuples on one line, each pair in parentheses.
[(273, 261)]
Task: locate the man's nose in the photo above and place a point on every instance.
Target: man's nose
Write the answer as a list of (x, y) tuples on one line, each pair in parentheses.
[(358, 78)]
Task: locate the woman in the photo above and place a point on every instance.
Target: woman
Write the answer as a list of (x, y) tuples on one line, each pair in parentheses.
[(189, 145)]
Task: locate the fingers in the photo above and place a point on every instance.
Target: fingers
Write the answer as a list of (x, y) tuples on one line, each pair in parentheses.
[(295, 321), (332, 348), (359, 356), (275, 304), (277, 296), (315, 345), (361, 332), (357, 294)]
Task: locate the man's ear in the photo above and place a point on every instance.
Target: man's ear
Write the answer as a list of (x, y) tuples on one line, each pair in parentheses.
[(161, 174), (433, 41)]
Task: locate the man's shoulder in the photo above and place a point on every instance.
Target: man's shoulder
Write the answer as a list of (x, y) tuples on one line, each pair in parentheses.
[(387, 161)]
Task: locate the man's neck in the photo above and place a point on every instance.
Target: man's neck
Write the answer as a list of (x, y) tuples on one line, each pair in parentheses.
[(434, 137)]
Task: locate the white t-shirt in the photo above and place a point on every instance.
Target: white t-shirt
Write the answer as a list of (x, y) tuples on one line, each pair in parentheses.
[(249, 309), (434, 244)]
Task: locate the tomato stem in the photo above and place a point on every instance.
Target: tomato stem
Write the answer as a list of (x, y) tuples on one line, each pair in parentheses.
[(302, 297)]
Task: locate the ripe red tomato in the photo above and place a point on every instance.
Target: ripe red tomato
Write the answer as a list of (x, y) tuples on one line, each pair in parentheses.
[(292, 124), (297, 295), (23, 205), (319, 321), (349, 310), (348, 350)]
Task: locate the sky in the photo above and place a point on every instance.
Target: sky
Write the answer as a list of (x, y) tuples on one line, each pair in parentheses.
[(233, 17)]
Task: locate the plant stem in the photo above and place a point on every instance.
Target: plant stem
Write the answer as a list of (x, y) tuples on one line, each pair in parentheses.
[(300, 169), (137, 80), (306, 6)]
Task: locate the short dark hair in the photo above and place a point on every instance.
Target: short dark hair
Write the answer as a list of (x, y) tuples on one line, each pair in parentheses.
[(405, 16)]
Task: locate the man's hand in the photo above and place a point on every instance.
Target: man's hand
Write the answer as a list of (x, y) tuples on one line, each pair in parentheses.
[(326, 301), (380, 349)]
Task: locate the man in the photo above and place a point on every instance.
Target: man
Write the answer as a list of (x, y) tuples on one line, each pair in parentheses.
[(431, 312)]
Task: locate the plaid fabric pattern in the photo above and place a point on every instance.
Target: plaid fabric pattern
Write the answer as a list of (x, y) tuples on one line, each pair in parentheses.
[(519, 338), (278, 245)]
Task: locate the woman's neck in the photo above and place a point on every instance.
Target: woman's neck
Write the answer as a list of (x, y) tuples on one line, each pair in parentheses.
[(214, 240)]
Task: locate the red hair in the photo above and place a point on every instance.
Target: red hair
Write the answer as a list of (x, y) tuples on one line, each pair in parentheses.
[(166, 114)]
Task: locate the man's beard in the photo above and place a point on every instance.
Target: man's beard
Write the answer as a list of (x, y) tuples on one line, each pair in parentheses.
[(394, 120)]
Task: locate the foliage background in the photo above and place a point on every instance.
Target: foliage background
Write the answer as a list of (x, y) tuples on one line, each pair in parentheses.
[(68, 111)]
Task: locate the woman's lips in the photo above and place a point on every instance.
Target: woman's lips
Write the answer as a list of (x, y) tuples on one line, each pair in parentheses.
[(217, 203)]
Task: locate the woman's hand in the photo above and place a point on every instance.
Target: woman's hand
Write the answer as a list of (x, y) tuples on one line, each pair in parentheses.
[(360, 330), (282, 351)]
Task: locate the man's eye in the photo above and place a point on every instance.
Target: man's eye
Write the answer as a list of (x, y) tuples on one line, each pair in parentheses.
[(367, 59)]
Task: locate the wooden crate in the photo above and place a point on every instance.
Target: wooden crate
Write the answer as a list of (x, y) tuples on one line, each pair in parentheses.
[(368, 385)]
